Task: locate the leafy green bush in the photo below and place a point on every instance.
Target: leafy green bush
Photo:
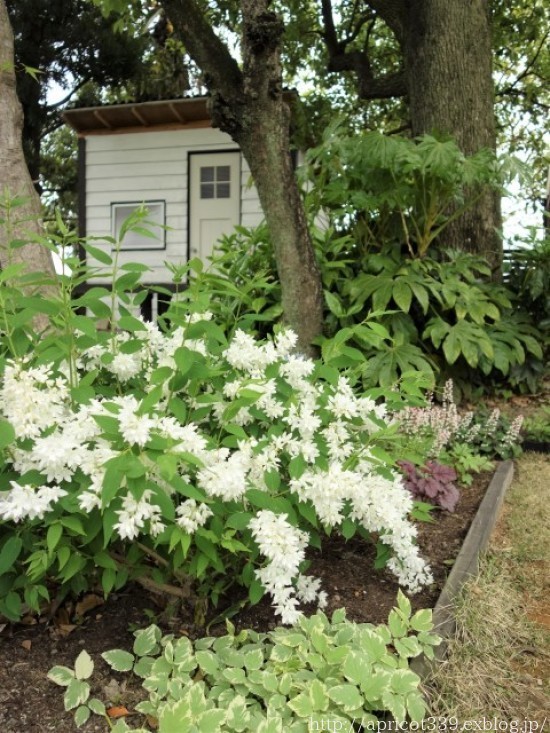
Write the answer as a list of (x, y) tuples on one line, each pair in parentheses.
[(527, 275), (396, 303), (319, 673)]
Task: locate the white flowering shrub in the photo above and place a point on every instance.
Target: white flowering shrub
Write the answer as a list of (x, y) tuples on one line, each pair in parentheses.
[(171, 455)]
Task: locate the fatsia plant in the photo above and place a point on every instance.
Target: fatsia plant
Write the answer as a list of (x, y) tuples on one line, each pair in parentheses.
[(390, 189)]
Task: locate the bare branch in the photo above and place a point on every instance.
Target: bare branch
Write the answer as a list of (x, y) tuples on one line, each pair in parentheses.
[(205, 48), (393, 13)]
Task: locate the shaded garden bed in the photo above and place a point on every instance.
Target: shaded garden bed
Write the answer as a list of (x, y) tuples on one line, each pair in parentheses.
[(30, 703)]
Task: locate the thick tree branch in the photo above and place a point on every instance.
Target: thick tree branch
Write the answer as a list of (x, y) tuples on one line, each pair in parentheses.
[(393, 13), (205, 48), (368, 85)]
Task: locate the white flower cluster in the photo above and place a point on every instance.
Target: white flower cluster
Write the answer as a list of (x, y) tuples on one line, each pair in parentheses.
[(24, 502), (284, 546), (267, 420)]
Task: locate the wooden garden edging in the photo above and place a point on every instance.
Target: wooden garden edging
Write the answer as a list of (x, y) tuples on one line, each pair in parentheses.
[(467, 563)]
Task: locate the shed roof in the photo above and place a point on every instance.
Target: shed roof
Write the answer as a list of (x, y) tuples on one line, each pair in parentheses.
[(139, 116)]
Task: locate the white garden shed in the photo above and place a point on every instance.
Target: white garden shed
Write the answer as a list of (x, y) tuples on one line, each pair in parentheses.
[(166, 155)]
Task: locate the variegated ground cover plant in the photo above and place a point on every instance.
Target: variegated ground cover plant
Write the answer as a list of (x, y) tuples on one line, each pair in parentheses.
[(320, 674)]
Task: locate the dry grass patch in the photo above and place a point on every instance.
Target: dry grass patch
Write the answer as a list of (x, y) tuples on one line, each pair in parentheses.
[(499, 661)]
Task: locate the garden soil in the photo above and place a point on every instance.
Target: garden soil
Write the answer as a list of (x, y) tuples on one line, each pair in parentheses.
[(30, 703)]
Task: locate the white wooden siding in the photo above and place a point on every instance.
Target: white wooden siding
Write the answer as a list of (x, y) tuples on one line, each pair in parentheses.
[(150, 166)]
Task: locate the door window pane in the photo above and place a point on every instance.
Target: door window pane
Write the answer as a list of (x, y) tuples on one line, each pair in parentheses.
[(215, 182)]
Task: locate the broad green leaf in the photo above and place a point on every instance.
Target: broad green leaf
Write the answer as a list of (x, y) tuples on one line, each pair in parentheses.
[(81, 715), (422, 620), (146, 641), (347, 696), (302, 705), (83, 666), (207, 661), (76, 694), (404, 681), (7, 434), (9, 553), (62, 676), (96, 706), (318, 695), (211, 721), (119, 660), (356, 668)]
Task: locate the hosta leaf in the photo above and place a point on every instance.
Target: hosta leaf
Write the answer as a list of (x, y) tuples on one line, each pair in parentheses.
[(119, 660), (83, 666)]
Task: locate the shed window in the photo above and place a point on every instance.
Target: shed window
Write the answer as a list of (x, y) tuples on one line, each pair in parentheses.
[(215, 182), (153, 223)]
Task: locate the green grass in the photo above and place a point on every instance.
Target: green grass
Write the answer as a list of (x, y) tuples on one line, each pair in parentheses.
[(499, 661)]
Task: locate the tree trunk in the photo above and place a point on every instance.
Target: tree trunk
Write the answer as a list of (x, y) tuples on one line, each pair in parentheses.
[(14, 175), (448, 64), (248, 104), (264, 139)]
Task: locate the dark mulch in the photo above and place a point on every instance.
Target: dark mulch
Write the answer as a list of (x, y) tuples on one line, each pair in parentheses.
[(29, 703)]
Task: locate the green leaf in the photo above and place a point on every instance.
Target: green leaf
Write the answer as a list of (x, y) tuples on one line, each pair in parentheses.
[(422, 620), (318, 695), (146, 641), (211, 721), (404, 681), (7, 434), (356, 668), (83, 666), (81, 715), (76, 694), (404, 604), (53, 536), (207, 661), (119, 660), (402, 295), (416, 707), (9, 553), (301, 705), (62, 676), (397, 626), (96, 706), (346, 696)]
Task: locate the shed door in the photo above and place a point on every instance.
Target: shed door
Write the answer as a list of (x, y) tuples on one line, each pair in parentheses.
[(214, 199)]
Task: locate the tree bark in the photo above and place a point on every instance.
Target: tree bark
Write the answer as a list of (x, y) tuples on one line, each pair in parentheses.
[(448, 64), (14, 175), (248, 104)]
